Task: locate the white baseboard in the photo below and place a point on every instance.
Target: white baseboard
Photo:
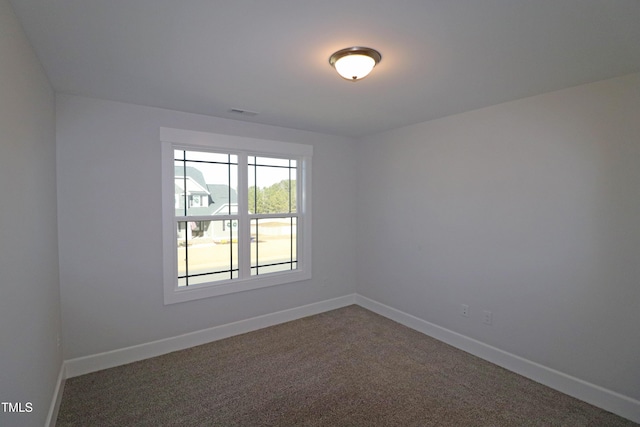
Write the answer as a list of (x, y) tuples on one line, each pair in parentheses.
[(52, 416), (110, 359), (598, 396)]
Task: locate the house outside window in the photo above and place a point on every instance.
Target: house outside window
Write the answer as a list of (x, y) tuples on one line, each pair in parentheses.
[(236, 214)]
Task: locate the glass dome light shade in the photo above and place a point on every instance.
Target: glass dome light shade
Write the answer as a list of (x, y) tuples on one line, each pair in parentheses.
[(355, 63), (354, 67)]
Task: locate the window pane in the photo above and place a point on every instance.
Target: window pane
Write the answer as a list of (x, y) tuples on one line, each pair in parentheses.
[(207, 251), (206, 184), (272, 189), (180, 185), (182, 257), (206, 156), (273, 245), (268, 161)]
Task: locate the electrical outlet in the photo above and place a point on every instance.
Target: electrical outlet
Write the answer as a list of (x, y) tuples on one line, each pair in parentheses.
[(465, 310), (487, 317)]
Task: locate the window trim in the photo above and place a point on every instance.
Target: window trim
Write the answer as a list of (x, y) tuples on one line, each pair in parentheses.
[(186, 139)]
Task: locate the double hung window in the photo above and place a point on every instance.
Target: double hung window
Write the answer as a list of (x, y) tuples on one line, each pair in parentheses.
[(236, 214)]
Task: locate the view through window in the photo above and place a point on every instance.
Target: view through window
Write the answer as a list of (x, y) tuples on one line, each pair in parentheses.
[(208, 220)]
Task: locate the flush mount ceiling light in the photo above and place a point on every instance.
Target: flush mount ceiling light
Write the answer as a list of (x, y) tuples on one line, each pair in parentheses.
[(355, 63)]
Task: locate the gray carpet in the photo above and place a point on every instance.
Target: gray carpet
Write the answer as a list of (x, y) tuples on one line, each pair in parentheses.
[(347, 367)]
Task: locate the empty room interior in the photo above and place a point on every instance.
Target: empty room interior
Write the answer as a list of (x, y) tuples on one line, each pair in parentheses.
[(480, 186)]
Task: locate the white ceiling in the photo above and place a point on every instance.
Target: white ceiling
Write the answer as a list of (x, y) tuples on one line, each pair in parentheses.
[(439, 57)]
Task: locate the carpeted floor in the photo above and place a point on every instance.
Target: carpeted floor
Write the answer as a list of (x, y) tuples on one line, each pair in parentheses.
[(347, 367)]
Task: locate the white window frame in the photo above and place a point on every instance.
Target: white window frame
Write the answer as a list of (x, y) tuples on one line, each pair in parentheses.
[(186, 139)]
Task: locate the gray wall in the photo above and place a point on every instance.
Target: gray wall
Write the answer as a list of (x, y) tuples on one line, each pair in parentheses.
[(109, 203), (30, 359), (528, 209)]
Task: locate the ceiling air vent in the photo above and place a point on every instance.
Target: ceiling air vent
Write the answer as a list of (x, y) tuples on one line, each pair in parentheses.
[(243, 112)]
